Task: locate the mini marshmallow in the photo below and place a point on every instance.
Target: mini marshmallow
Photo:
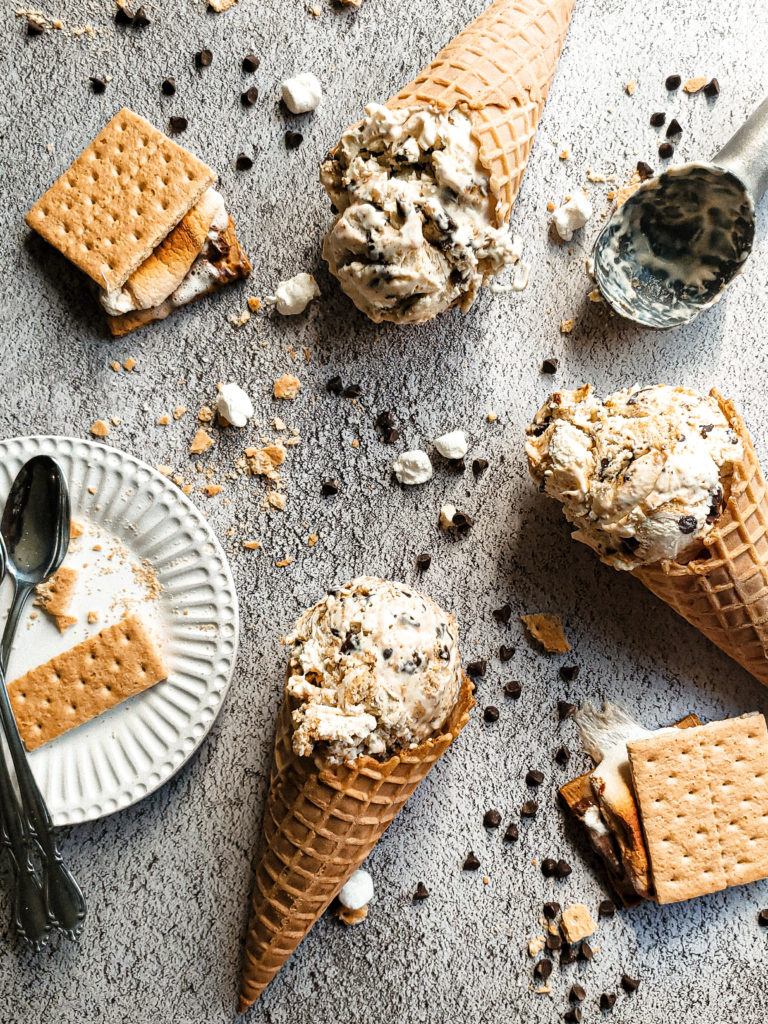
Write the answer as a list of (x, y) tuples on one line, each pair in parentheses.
[(572, 216), (452, 445), (357, 892), (302, 93), (294, 295), (234, 405), (412, 467)]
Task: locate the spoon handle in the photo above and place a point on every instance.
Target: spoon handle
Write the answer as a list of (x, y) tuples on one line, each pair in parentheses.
[(746, 153), (63, 897)]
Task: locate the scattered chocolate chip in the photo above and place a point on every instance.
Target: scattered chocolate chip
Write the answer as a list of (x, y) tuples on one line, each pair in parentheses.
[(423, 562), (562, 755), (629, 984), (503, 614), (33, 29), (548, 867), (687, 524), (352, 391), (585, 950), (666, 151), (456, 465), (711, 89), (673, 128), (243, 162), (644, 170), (293, 140), (505, 653), (203, 58), (564, 710), (249, 97), (479, 466), (658, 119), (335, 386), (577, 994), (471, 863), (551, 910), (384, 420), (391, 435), (543, 969), (529, 809), (607, 908), (329, 488), (673, 82), (511, 834), (168, 86), (762, 918), (140, 19), (607, 999), (98, 85), (534, 777), (513, 688), (477, 668), (572, 1016), (491, 819), (553, 942), (568, 673), (568, 955), (251, 63), (462, 522), (421, 893), (122, 17), (563, 869), (491, 714), (178, 124), (549, 365)]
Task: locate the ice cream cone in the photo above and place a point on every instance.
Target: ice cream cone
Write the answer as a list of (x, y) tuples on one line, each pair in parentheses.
[(320, 823), (724, 592), (499, 68)]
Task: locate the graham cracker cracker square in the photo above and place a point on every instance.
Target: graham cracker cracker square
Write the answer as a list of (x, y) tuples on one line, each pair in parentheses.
[(703, 797), (119, 199)]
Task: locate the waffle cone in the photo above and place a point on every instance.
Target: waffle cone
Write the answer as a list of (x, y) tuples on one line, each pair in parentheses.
[(499, 69), (724, 593), (320, 823)]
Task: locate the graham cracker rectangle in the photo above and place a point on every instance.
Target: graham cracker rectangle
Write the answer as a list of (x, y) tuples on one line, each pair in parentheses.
[(83, 682), (119, 199), (703, 797)]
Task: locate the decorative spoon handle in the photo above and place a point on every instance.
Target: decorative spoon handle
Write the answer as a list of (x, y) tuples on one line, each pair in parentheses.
[(746, 153)]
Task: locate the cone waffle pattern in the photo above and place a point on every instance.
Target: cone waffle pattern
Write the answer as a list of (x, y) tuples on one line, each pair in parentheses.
[(725, 593), (499, 67), (320, 823)]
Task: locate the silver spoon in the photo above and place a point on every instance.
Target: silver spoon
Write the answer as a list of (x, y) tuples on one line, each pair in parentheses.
[(668, 253), (35, 527)]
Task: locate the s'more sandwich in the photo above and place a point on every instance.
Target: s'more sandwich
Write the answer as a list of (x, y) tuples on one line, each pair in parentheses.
[(677, 812), (139, 215)]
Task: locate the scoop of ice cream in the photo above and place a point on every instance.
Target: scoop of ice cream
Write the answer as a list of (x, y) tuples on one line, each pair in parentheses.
[(375, 668), (415, 232), (643, 475), (572, 216)]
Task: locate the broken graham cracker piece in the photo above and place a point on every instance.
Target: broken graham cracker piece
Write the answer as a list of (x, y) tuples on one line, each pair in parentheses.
[(286, 386), (703, 798), (54, 595), (352, 917), (76, 686), (119, 199), (577, 923), (548, 630)]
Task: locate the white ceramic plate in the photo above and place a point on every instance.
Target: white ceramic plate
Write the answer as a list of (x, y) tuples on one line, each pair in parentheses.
[(139, 527)]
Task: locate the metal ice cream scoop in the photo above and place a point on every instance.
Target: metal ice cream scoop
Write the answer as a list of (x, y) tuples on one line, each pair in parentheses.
[(670, 250)]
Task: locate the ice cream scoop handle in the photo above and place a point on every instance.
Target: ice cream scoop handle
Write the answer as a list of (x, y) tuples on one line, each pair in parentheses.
[(746, 153)]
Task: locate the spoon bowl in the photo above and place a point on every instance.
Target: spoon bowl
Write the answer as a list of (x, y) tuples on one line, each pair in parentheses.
[(36, 521)]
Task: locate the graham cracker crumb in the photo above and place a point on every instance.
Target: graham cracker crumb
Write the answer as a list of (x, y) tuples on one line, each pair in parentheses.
[(93, 617), (630, 87), (253, 303), (252, 545), (535, 945), (179, 411), (240, 319), (286, 386), (492, 416), (566, 326), (283, 562), (99, 428), (577, 923), (129, 364), (548, 630), (352, 917), (695, 84), (211, 490), (163, 420), (206, 414), (115, 366), (551, 206), (165, 470), (564, 155), (312, 540), (277, 499), (201, 442)]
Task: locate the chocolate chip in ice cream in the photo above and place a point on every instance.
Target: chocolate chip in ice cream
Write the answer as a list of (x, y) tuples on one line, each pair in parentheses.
[(568, 955), (491, 714), (140, 19), (585, 950), (471, 863), (352, 391), (33, 28), (548, 867), (607, 999), (476, 669), (577, 994), (762, 918), (491, 819), (335, 385), (512, 833), (572, 1016), (629, 984), (568, 672), (549, 365), (562, 755), (563, 869), (479, 466), (543, 969), (687, 524), (505, 653), (551, 910), (98, 85), (606, 908), (553, 942)]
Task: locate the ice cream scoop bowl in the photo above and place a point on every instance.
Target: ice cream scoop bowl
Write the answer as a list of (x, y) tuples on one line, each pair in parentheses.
[(669, 251)]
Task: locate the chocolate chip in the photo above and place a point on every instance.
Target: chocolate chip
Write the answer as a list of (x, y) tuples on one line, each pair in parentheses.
[(421, 893), (329, 488), (513, 688), (423, 562), (666, 150), (503, 614), (543, 969), (98, 85), (562, 755), (505, 653), (551, 910), (249, 97), (572, 1016), (607, 999), (762, 918), (673, 82), (391, 435), (548, 867), (251, 63), (568, 672), (568, 955), (33, 29), (203, 58), (293, 140), (384, 420), (563, 869), (629, 984), (657, 120), (585, 950), (553, 942), (564, 710), (687, 524), (178, 124), (462, 522), (475, 669), (549, 365), (529, 809), (607, 908), (534, 777), (471, 863), (122, 17), (479, 466), (140, 19), (511, 834), (243, 162), (491, 819), (168, 86), (673, 128), (644, 170), (352, 391), (711, 89), (577, 994), (491, 714), (335, 386)]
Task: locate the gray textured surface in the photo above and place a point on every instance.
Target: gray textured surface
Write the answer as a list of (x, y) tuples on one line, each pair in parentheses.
[(168, 880)]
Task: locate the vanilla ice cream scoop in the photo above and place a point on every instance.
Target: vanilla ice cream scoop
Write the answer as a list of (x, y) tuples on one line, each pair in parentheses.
[(415, 232), (644, 475), (374, 668)]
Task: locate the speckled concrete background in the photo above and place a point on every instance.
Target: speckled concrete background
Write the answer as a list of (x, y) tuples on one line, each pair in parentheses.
[(168, 880)]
